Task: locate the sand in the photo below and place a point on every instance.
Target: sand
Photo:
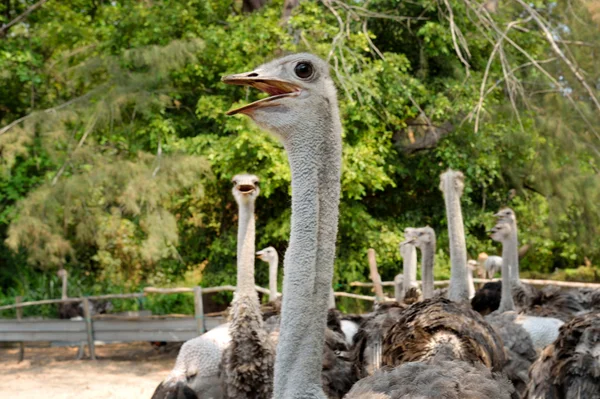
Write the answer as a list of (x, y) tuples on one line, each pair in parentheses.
[(121, 371)]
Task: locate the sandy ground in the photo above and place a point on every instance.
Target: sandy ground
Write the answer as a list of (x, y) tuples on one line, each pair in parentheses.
[(121, 371)]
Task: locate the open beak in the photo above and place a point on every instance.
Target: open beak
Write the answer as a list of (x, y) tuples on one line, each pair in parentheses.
[(410, 241), (260, 254), (246, 188), (276, 88)]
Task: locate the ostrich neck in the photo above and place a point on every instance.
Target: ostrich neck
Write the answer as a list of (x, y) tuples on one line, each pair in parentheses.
[(64, 287), (314, 153), (428, 254), (506, 301), (245, 249), (458, 291), (514, 256), (273, 264), (409, 256)]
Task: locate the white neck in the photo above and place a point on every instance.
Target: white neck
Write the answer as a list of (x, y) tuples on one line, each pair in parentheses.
[(273, 265), (245, 249), (427, 263), (314, 152), (506, 301), (458, 290), (64, 286), (471, 283), (409, 261)]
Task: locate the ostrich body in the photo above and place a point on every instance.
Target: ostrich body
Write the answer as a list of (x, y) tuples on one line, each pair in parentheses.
[(570, 367), (247, 362)]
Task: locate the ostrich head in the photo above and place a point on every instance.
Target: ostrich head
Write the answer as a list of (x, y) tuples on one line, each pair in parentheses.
[(61, 273), (299, 89), (424, 236), (501, 232), (452, 180), (267, 255), (245, 188), (472, 265), (506, 215)]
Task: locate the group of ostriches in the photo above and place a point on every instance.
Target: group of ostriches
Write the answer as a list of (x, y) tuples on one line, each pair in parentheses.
[(542, 344)]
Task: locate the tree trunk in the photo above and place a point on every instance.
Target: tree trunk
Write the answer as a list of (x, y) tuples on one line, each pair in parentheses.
[(288, 7), (252, 5)]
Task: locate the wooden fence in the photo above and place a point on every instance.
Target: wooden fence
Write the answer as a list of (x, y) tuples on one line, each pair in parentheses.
[(112, 328)]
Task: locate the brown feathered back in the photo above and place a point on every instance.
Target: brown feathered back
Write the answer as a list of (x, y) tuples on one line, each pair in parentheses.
[(439, 325), (570, 367)]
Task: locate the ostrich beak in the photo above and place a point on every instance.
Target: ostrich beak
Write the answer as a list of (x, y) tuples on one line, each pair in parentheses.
[(407, 242), (497, 214), (260, 253), (275, 87)]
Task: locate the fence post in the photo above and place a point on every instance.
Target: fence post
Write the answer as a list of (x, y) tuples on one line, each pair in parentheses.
[(88, 323), (19, 299), (199, 309), (375, 275)]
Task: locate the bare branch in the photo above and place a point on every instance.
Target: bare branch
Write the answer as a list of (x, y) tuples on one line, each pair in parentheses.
[(574, 69), (21, 17)]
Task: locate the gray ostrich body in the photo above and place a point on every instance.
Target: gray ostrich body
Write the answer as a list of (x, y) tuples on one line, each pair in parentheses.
[(570, 367), (247, 363)]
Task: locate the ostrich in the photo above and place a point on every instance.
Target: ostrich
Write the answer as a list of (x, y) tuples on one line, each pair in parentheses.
[(549, 302), (570, 367), (542, 330), (518, 344), (271, 256), (490, 264), (247, 362), (452, 185), (302, 111)]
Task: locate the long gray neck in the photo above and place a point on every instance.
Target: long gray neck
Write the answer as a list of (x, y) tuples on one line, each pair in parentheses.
[(409, 260), (273, 265), (245, 249), (514, 255), (64, 286), (458, 290), (506, 301), (314, 152), (427, 262), (331, 299)]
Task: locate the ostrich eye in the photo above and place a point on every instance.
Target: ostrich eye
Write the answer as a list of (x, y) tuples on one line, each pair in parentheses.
[(303, 70)]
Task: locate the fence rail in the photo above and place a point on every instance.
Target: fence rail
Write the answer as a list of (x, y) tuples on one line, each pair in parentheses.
[(567, 284)]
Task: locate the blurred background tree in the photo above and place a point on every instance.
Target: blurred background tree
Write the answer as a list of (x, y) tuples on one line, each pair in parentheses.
[(116, 154)]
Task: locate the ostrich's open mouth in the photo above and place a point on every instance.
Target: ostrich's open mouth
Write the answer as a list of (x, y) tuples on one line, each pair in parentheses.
[(245, 188), (275, 88)]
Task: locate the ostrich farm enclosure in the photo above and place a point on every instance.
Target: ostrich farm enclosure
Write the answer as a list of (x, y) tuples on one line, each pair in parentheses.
[(122, 371)]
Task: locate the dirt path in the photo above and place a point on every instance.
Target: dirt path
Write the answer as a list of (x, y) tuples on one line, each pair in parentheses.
[(121, 371)]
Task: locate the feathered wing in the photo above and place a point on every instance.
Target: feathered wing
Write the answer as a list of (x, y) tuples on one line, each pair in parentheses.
[(247, 364), (439, 325), (570, 367), (433, 379), (519, 349)]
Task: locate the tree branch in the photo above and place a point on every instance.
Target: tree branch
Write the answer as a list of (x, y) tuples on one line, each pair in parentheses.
[(21, 17)]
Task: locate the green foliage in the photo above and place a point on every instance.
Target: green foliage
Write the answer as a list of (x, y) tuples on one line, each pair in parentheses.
[(119, 161)]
